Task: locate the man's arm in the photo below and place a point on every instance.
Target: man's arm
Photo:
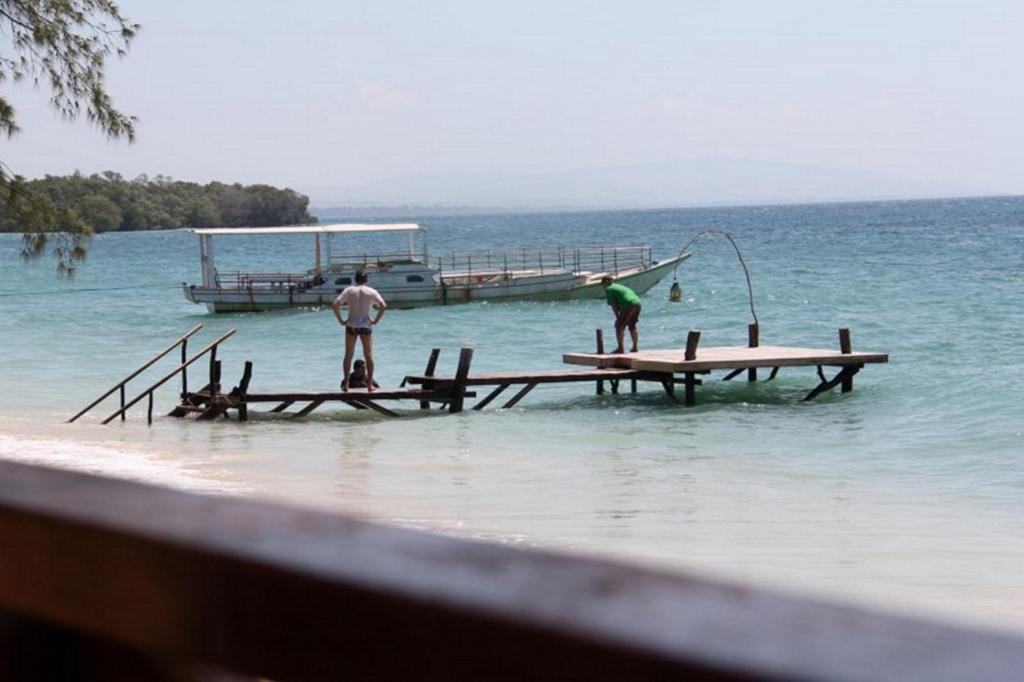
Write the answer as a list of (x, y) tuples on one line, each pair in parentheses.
[(381, 307), (336, 306)]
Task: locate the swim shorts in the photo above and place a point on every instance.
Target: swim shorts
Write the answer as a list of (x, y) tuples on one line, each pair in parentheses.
[(359, 325), (628, 318)]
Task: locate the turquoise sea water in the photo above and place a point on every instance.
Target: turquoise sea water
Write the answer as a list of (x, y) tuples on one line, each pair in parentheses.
[(906, 493)]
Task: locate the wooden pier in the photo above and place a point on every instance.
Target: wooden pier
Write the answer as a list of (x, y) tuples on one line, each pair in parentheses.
[(689, 362), (684, 366)]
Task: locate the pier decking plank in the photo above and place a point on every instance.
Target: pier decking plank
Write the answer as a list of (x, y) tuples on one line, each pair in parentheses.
[(532, 377), (723, 357), (358, 394)]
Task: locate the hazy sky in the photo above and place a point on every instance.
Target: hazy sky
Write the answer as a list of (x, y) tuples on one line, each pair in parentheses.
[(315, 95)]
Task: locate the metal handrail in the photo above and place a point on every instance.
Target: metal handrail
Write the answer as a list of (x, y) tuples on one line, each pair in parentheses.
[(183, 340), (170, 375)]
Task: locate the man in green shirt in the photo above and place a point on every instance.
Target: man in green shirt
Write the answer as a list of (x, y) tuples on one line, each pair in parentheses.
[(626, 305)]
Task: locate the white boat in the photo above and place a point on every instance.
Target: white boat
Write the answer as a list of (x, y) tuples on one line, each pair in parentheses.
[(415, 278)]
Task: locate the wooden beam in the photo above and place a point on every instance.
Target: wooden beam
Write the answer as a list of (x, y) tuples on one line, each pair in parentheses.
[(519, 396), (490, 396), (846, 348), (599, 334), (309, 408), (690, 389), (241, 390), (845, 373), (429, 371), (775, 370), (733, 374), (670, 388), (692, 339), (284, 405), (363, 403), (753, 341), (458, 390), (259, 589)]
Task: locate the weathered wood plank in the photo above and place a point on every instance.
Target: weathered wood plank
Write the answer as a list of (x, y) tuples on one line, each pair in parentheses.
[(519, 396), (458, 389), (535, 376), (725, 357), (490, 396), (289, 594), (309, 408), (364, 403)]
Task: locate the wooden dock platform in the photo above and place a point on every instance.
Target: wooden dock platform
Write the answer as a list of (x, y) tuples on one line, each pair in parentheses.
[(724, 357), (667, 367), (691, 361)]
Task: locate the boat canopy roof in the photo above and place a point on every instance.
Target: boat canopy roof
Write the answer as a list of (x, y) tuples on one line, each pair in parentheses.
[(313, 229)]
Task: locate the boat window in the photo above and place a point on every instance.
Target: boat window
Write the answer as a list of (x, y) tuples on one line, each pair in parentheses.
[(414, 278), (343, 280)]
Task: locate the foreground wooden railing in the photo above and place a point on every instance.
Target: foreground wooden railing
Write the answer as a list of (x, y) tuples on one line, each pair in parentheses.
[(110, 579)]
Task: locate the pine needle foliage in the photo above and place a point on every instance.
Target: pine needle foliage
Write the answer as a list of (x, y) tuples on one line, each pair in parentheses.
[(62, 45)]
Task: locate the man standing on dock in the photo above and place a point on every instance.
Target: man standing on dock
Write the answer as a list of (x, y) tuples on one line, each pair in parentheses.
[(626, 305), (360, 299)]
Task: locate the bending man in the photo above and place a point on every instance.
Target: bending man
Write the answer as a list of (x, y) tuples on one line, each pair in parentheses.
[(626, 305), (359, 298)]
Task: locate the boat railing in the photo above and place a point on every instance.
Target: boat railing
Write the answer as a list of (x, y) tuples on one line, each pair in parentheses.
[(264, 280), (505, 262), (575, 260)]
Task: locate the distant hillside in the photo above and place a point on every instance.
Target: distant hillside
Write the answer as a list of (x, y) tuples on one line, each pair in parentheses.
[(108, 202), (649, 185)]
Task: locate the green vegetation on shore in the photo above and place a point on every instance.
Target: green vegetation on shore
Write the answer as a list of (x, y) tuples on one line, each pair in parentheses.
[(107, 202)]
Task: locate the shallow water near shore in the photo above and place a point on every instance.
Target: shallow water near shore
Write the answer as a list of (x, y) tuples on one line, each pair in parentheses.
[(906, 493)]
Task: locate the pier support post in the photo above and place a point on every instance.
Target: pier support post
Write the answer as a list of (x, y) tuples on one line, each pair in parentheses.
[(690, 390), (690, 383), (184, 372), (459, 385), (845, 347), (753, 341), (429, 385), (692, 339), (599, 335), (213, 368), (242, 391)]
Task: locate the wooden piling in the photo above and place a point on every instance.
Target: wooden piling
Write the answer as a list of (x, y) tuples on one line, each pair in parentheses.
[(753, 341), (213, 365), (184, 372), (689, 378), (846, 347), (599, 333), (459, 385), (431, 367), (690, 393), (242, 390), (692, 339)]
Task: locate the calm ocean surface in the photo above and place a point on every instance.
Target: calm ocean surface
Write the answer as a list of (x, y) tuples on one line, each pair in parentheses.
[(908, 493)]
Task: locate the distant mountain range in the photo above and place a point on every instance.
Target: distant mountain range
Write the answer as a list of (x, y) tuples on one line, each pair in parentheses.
[(648, 185)]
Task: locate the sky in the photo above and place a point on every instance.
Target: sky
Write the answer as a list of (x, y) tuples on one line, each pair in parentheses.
[(321, 96)]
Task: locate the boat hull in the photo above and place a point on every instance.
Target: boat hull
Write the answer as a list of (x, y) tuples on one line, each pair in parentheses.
[(558, 286)]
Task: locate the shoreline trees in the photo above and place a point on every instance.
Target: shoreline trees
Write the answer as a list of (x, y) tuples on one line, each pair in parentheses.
[(107, 202)]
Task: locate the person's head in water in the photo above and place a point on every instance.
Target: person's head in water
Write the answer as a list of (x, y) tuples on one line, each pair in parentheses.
[(606, 281), (359, 368), (360, 277)]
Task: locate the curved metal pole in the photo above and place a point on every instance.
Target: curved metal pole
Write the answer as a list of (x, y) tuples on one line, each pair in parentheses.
[(743, 264)]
